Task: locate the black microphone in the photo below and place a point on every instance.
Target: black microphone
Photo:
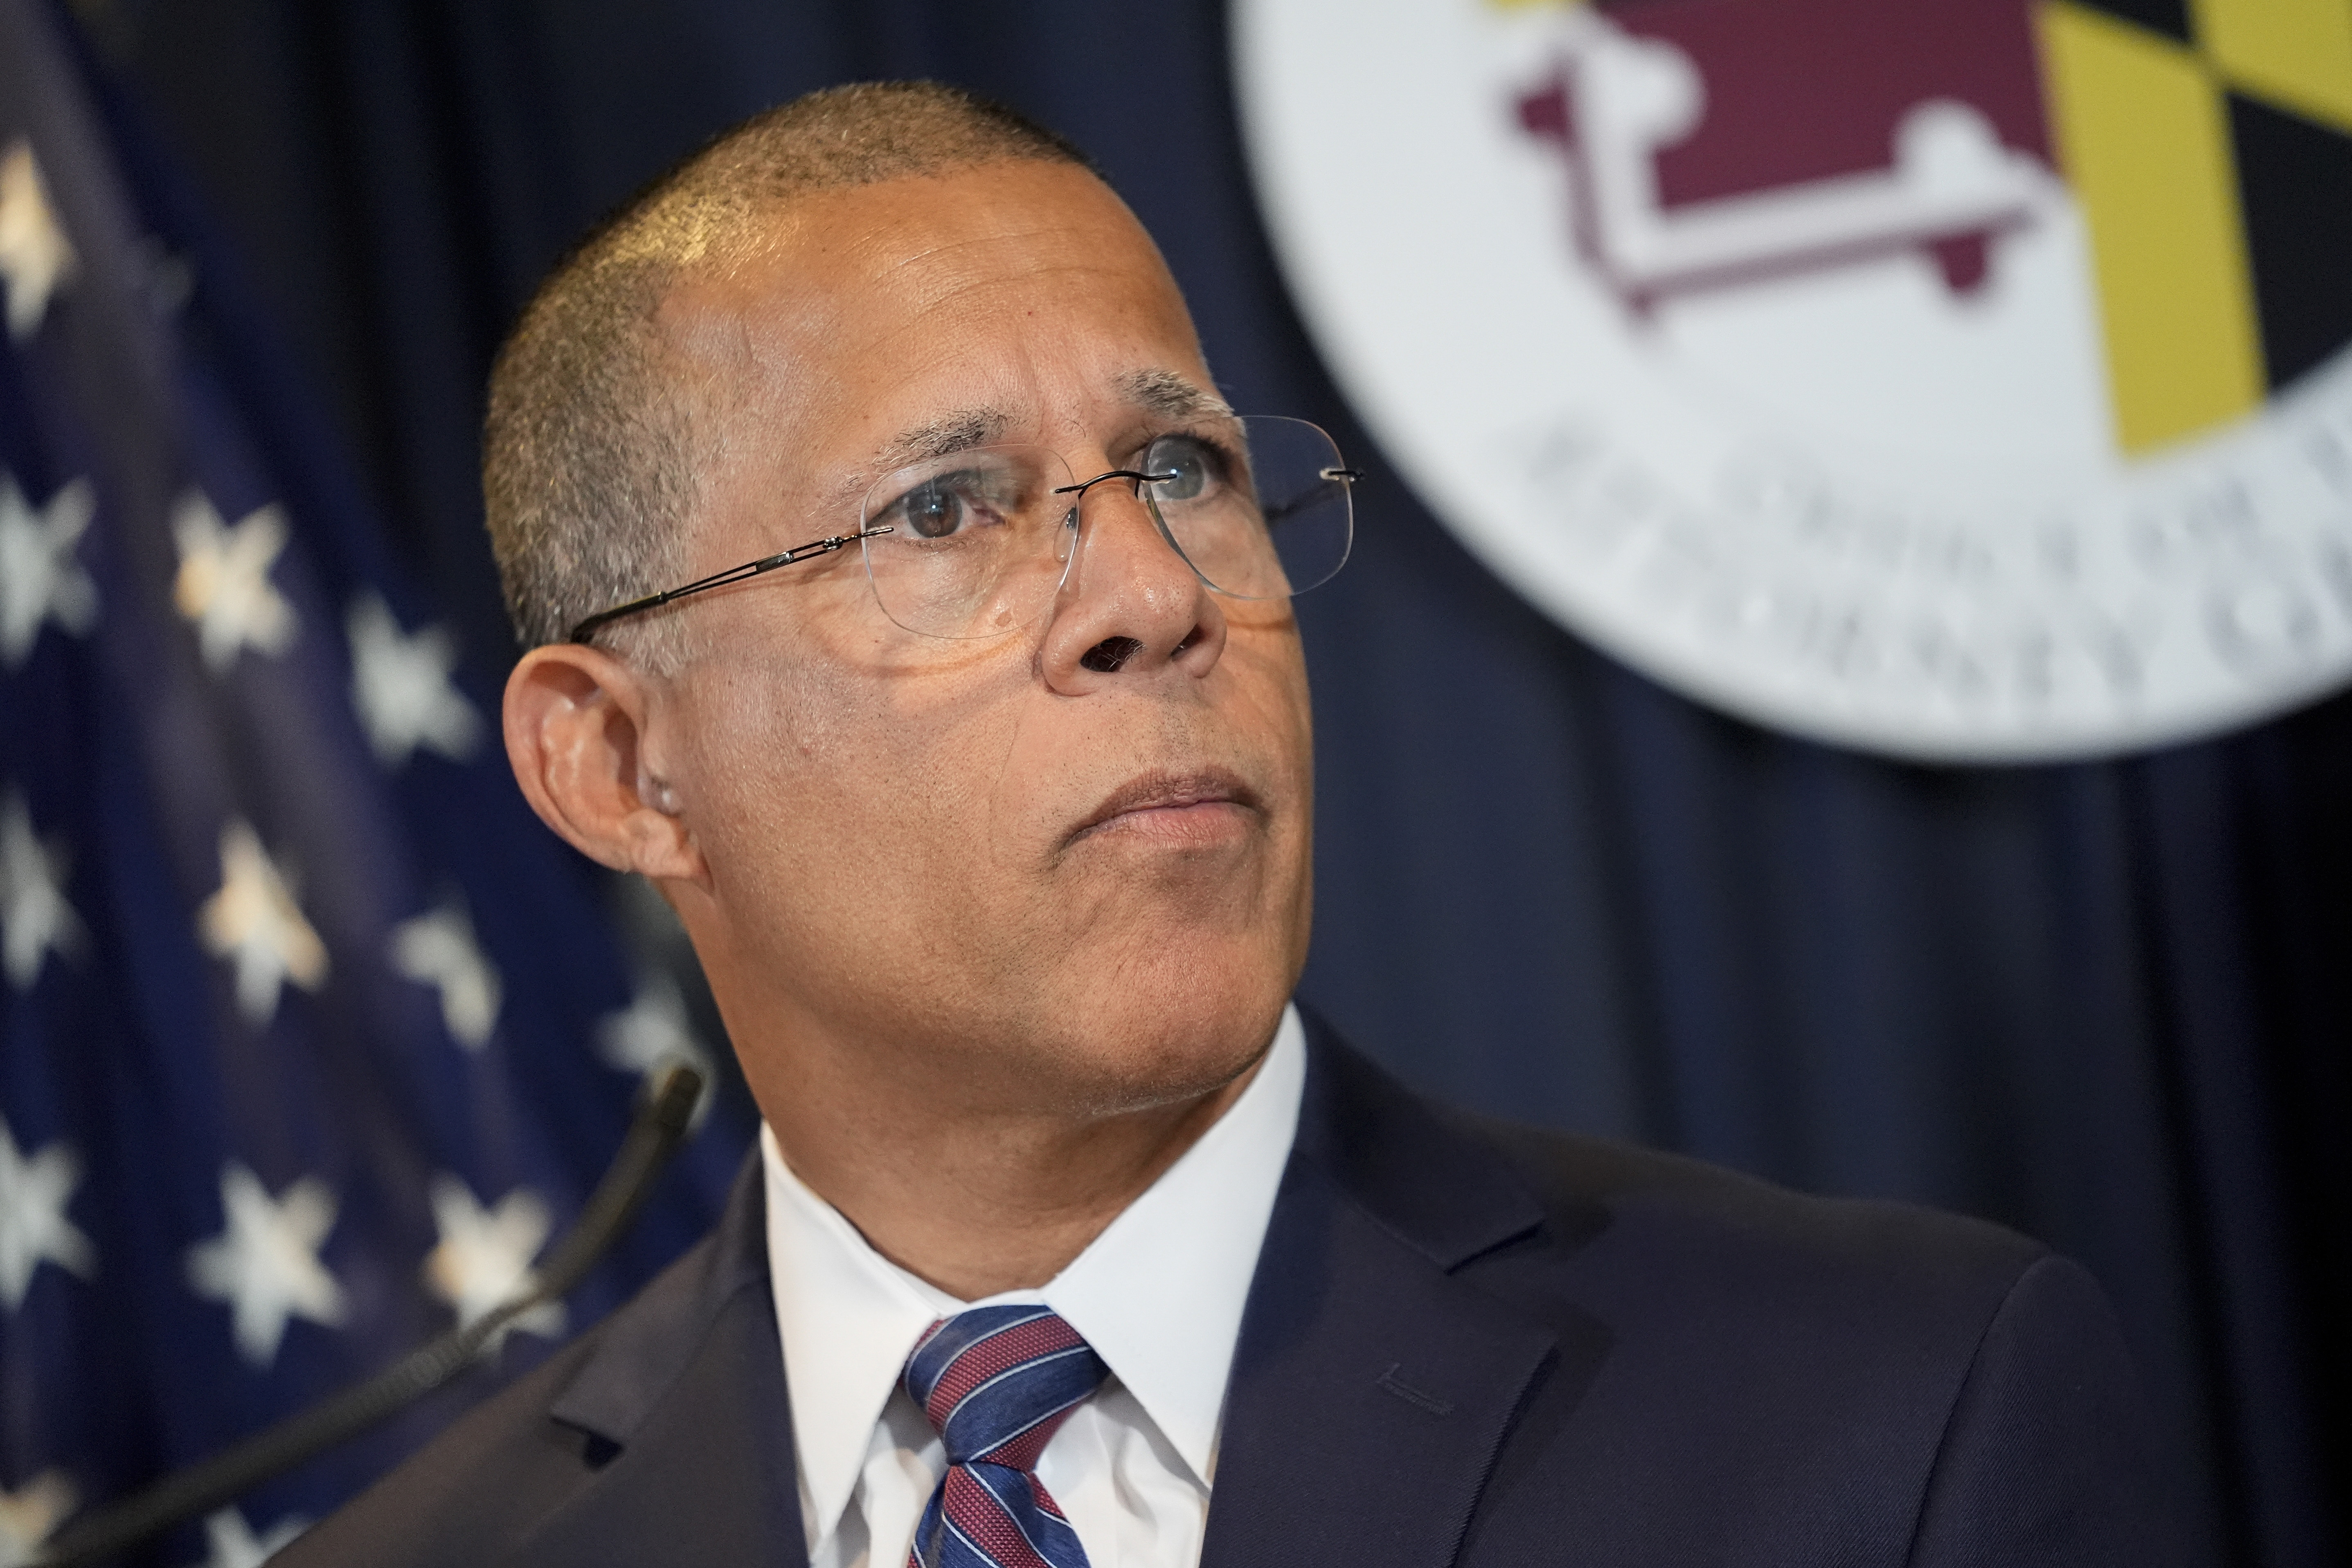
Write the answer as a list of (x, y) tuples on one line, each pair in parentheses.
[(654, 1136)]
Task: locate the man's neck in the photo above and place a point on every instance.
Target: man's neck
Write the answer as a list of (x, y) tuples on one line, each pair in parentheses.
[(978, 1203)]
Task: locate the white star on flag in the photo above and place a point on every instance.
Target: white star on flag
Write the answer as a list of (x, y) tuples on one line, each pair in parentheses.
[(438, 950), (35, 919), (485, 1255), (35, 255), (29, 1514), (40, 579), (34, 1228), (224, 583), (651, 1032), (253, 921), (400, 684), (266, 1264), (233, 1544)]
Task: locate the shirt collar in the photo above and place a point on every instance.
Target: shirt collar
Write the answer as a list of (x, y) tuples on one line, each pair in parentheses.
[(1158, 1294)]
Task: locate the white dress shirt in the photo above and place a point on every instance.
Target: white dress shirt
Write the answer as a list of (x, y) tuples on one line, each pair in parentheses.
[(1158, 1295)]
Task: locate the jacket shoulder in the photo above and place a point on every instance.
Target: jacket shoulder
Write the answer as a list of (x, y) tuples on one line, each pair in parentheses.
[(1685, 1213), (474, 1491), (660, 1435), (1849, 1380)]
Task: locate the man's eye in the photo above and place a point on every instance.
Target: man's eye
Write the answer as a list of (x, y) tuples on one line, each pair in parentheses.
[(938, 507), (1195, 468), (931, 511)]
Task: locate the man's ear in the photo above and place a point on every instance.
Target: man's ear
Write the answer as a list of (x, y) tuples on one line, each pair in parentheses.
[(577, 725)]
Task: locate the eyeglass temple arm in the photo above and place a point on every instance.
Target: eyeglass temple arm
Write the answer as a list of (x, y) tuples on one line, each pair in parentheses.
[(1276, 515), (587, 629)]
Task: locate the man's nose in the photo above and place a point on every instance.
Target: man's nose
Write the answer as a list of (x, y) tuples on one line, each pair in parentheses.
[(1131, 607)]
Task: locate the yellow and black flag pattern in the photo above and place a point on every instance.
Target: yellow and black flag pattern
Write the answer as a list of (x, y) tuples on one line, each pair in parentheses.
[(2210, 143)]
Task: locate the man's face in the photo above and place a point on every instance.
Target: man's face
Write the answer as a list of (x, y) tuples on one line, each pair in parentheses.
[(1052, 883)]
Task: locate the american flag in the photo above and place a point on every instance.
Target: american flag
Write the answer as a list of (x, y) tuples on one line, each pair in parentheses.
[(312, 1037)]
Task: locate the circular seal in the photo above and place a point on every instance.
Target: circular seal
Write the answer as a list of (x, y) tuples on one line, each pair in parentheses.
[(1962, 380)]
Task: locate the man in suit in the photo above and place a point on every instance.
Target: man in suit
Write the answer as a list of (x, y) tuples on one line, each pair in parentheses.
[(900, 605)]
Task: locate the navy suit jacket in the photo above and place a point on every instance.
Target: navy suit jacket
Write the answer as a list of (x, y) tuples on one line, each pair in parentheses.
[(1463, 1345)]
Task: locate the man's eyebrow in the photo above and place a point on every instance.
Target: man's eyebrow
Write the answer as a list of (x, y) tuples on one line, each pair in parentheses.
[(957, 431), (1169, 395), (1159, 392)]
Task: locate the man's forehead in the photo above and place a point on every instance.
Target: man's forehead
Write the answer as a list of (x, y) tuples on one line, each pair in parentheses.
[(892, 324), (835, 253)]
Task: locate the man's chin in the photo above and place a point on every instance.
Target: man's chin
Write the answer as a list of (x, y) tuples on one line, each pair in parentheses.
[(1147, 1048)]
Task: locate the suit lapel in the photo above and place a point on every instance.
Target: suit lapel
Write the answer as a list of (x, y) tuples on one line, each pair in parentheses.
[(1371, 1389), (686, 1420)]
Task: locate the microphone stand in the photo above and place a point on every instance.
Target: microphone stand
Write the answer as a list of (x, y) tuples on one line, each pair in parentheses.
[(654, 1136)]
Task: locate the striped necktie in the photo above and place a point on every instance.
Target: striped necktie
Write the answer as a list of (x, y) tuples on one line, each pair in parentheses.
[(997, 1382)]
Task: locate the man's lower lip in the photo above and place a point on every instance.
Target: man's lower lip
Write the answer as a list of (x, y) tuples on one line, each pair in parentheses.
[(1195, 822)]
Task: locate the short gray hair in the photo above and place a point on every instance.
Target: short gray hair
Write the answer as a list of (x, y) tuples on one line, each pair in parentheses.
[(589, 450)]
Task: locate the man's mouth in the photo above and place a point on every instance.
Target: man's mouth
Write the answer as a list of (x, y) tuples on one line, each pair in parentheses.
[(1190, 806)]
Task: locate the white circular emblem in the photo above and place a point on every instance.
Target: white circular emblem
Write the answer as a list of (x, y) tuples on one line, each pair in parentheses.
[(1916, 377)]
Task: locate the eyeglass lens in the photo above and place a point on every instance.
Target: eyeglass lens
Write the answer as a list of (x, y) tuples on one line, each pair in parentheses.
[(1259, 507)]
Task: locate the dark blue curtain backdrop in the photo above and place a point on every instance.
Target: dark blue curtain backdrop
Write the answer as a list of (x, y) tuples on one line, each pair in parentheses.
[(2109, 1004)]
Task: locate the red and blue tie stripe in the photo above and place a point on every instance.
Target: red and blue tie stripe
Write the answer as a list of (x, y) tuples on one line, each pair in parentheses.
[(997, 1382)]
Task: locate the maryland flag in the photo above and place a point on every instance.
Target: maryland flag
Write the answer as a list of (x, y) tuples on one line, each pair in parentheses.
[(2210, 142)]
